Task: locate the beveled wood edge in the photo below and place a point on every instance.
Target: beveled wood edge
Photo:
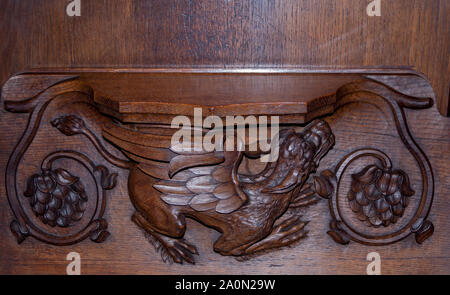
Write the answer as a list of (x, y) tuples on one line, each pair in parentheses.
[(237, 70), (294, 113)]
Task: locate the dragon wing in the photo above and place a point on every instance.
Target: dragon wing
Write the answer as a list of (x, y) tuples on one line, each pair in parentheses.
[(206, 188), (186, 177)]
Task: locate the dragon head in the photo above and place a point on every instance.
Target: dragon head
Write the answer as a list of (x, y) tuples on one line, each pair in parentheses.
[(300, 154), (319, 136)]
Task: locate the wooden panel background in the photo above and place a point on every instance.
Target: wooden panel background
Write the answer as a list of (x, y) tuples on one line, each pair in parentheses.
[(268, 33), (230, 34)]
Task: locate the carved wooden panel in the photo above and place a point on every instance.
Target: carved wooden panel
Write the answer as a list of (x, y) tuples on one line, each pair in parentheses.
[(88, 132)]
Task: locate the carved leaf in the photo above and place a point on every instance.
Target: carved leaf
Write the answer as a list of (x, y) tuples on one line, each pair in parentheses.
[(45, 183), (64, 178), (339, 237)]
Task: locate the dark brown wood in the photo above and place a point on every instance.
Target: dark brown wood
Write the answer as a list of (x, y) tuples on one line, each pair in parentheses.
[(228, 34), (217, 37), (253, 211)]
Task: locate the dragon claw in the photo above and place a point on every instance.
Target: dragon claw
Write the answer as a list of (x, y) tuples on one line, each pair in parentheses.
[(171, 249), (181, 251), (175, 250)]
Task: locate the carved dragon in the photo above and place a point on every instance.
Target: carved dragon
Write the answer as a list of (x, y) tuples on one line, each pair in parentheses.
[(244, 208)]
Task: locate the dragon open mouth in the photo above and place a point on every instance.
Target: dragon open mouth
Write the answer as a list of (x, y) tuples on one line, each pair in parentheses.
[(324, 148)]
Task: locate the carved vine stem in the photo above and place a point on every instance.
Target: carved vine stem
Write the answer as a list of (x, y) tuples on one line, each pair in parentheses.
[(71, 125), (24, 226), (328, 184)]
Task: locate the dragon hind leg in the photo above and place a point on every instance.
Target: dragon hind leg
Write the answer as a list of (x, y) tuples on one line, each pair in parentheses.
[(171, 249)]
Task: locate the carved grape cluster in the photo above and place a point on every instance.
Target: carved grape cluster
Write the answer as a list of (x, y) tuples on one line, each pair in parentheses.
[(379, 196), (57, 197)]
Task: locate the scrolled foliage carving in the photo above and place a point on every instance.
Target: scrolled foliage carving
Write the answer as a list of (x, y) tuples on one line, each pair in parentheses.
[(167, 185)]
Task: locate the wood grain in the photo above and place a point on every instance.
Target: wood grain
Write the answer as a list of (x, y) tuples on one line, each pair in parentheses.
[(126, 251), (355, 125), (232, 35), (224, 34)]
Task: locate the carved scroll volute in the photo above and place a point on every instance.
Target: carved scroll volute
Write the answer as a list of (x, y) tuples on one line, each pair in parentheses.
[(379, 194), (56, 196)]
